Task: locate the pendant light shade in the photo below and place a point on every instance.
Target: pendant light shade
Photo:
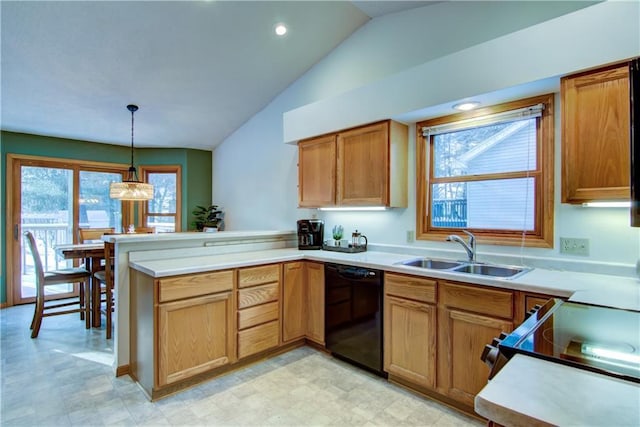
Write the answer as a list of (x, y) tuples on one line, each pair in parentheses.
[(131, 188)]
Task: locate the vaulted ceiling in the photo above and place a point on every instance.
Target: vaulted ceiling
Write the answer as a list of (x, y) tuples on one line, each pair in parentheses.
[(197, 69)]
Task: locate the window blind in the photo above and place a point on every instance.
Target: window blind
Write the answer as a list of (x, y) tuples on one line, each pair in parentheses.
[(504, 117)]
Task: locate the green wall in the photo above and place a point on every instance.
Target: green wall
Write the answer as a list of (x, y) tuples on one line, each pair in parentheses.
[(196, 170)]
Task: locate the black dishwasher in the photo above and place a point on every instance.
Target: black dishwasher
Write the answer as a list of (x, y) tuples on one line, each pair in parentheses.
[(353, 315)]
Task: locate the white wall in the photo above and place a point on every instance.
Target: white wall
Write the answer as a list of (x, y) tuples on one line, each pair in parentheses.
[(255, 173)]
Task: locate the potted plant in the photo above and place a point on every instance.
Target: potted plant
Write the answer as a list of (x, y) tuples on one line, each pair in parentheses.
[(209, 217)]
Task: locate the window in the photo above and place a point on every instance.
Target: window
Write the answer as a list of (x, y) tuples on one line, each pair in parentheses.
[(163, 211), (490, 172)]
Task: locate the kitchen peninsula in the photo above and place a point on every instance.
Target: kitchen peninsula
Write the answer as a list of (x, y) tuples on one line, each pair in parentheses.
[(164, 246), (257, 266)]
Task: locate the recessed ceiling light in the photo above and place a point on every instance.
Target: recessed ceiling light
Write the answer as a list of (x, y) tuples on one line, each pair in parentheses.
[(280, 29), (466, 106)]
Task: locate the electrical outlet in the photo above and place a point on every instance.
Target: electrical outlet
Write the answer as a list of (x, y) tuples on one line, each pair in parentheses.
[(410, 236), (574, 246)]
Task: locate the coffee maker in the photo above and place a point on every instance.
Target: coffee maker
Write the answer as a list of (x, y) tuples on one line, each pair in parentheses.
[(310, 233)]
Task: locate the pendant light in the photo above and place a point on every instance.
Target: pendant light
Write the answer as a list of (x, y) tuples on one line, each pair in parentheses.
[(131, 188)]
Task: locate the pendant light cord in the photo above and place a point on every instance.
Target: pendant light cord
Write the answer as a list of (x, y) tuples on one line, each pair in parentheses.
[(133, 173), (132, 111), (133, 108)]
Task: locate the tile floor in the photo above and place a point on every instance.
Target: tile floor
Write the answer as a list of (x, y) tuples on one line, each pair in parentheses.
[(64, 378)]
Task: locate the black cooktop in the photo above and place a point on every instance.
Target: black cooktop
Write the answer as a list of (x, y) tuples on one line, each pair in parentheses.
[(596, 338)]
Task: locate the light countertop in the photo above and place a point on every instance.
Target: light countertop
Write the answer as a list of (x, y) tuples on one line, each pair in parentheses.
[(527, 391), (532, 392), (196, 235), (614, 291)]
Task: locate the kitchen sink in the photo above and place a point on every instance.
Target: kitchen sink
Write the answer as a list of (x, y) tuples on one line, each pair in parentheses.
[(435, 264), (477, 268), (491, 270)]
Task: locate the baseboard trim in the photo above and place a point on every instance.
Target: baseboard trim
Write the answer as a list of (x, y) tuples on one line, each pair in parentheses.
[(122, 370), (205, 376), (434, 395)]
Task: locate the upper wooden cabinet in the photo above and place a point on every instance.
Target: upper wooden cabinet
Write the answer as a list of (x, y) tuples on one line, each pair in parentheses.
[(364, 166), (317, 171), (595, 135)]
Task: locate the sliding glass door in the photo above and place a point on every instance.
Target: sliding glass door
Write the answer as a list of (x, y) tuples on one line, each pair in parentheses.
[(96, 209), (46, 210), (52, 199)]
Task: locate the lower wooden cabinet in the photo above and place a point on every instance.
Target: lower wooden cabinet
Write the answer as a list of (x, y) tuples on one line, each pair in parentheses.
[(180, 327), (410, 329), (410, 340), (525, 301), (303, 301), (469, 317), (434, 330), (258, 309), (464, 336), (258, 338), (294, 321), (194, 335), (314, 274)]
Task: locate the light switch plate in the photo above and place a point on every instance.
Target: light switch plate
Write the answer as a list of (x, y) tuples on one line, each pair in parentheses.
[(574, 246)]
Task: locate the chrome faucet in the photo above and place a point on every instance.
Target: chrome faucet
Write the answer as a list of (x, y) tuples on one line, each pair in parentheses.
[(469, 247)]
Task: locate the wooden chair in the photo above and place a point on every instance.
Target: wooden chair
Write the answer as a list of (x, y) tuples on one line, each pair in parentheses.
[(105, 278), (91, 235), (56, 277), (88, 235), (145, 230)]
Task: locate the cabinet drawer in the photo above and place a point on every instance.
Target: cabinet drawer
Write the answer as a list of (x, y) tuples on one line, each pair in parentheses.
[(410, 287), (256, 315), (257, 339), (479, 300), (193, 285), (258, 295), (258, 275)]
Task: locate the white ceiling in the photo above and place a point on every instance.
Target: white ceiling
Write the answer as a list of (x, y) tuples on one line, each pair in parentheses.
[(197, 69)]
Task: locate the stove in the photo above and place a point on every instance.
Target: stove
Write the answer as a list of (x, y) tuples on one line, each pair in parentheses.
[(596, 338)]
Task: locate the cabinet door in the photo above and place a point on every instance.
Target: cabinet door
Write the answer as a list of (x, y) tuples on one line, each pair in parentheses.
[(317, 172), (410, 340), (463, 336), (363, 166), (595, 135), (315, 301), (194, 336), (294, 322)]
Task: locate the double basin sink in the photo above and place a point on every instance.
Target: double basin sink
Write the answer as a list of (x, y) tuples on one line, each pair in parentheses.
[(477, 268)]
